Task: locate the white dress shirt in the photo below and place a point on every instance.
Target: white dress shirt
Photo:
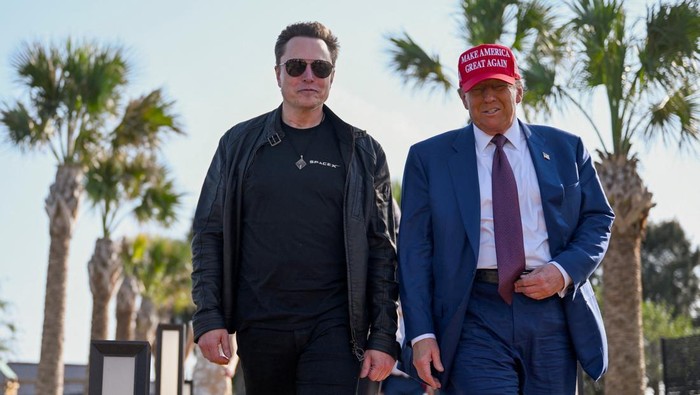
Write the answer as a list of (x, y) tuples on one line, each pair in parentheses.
[(529, 199)]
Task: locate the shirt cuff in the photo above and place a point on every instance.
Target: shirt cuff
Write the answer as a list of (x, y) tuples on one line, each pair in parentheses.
[(567, 279), (421, 337)]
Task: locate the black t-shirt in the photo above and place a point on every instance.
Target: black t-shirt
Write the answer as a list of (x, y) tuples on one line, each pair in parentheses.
[(293, 251)]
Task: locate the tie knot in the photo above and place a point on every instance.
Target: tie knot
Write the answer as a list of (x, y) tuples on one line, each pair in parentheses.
[(499, 140)]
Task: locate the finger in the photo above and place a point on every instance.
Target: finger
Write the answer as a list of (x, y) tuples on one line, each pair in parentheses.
[(425, 375), (377, 375), (365, 368), (215, 357), (220, 360), (529, 280), (433, 382), (437, 363), (226, 346)]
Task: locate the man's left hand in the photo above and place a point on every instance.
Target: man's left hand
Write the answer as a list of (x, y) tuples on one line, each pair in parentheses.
[(377, 365), (541, 283)]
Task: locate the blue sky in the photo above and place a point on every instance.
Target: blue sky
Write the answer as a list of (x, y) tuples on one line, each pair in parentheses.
[(215, 59)]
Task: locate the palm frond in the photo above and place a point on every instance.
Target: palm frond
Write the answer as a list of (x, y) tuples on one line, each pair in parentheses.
[(415, 66), (40, 69), (71, 89), (132, 252), (599, 27), (140, 170), (601, 51), (677, 118), (103, 179), (87, 143), (485, 21), (97, 76), (164, 270), (123, 184), (541, 94), (537, 24), (671, 47), (159, 202), (538, 17), (145, 121), (23, 130)]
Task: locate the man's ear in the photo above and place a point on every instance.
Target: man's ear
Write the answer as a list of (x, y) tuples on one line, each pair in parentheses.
[(277, 76), (519, 92)]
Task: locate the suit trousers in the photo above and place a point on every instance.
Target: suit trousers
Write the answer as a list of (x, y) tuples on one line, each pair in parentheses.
[(315, 360), (523, 348)]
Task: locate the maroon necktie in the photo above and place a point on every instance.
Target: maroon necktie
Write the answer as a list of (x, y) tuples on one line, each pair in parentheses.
[(508, 231)]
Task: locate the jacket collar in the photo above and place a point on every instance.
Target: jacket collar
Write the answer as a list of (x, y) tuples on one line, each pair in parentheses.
[(346, 132)]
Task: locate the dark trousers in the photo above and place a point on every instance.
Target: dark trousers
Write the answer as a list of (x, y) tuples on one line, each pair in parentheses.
[(523, 348), (317, 360), (400, 385)]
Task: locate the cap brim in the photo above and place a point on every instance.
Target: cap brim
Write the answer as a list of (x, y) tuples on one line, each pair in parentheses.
[(469, 84)]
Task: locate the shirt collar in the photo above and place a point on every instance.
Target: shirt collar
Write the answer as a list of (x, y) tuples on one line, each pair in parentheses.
[(513, 134)]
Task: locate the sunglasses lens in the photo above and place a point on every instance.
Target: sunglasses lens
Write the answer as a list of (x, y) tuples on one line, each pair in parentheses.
[(295, 67), (321, 68)]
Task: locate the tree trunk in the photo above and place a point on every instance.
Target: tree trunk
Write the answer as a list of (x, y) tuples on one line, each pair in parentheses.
[(104, 269), (622, 282), (126, 308), (146, 320), (62, 208)]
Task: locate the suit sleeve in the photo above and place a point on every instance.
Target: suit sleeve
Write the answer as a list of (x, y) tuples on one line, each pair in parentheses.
[(416, 250), (589, 239)]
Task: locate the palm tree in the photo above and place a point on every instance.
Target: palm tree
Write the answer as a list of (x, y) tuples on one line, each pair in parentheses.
[(126, 307), (162, 268), (125, 179), (71, 90), (648, 79), (132, 251), (649, 82)]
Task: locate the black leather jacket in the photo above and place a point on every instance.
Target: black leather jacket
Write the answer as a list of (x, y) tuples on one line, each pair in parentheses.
[(368, 221)]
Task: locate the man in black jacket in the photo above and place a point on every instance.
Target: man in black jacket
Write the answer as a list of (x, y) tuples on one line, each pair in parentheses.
[(294, 244)]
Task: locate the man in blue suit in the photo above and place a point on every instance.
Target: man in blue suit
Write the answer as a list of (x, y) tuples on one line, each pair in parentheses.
[(469, 329)]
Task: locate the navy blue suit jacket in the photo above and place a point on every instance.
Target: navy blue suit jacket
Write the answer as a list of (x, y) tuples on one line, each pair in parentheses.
[(439, 236)]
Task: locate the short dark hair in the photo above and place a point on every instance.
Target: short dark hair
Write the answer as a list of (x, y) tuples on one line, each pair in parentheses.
[(307, 29)]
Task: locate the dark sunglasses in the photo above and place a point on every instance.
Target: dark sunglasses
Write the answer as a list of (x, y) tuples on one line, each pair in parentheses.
[(296, 67)]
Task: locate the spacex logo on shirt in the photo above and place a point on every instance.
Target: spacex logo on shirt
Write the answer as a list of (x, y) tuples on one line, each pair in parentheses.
[(327, 164)]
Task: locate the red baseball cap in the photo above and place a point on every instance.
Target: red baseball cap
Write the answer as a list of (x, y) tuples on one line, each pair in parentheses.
[(487, 61)]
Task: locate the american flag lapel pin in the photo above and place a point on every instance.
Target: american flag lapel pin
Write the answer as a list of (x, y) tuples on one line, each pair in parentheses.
[(545, 155)]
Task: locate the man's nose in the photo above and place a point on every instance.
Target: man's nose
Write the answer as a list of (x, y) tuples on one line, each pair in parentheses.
[(308, 74), (488, 93)]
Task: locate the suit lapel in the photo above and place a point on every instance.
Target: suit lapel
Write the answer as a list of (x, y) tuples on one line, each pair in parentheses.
[(465, 181), (551, 189)]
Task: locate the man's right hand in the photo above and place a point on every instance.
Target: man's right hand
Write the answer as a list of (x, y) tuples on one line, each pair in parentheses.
[(425, 352), (215, 346)]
